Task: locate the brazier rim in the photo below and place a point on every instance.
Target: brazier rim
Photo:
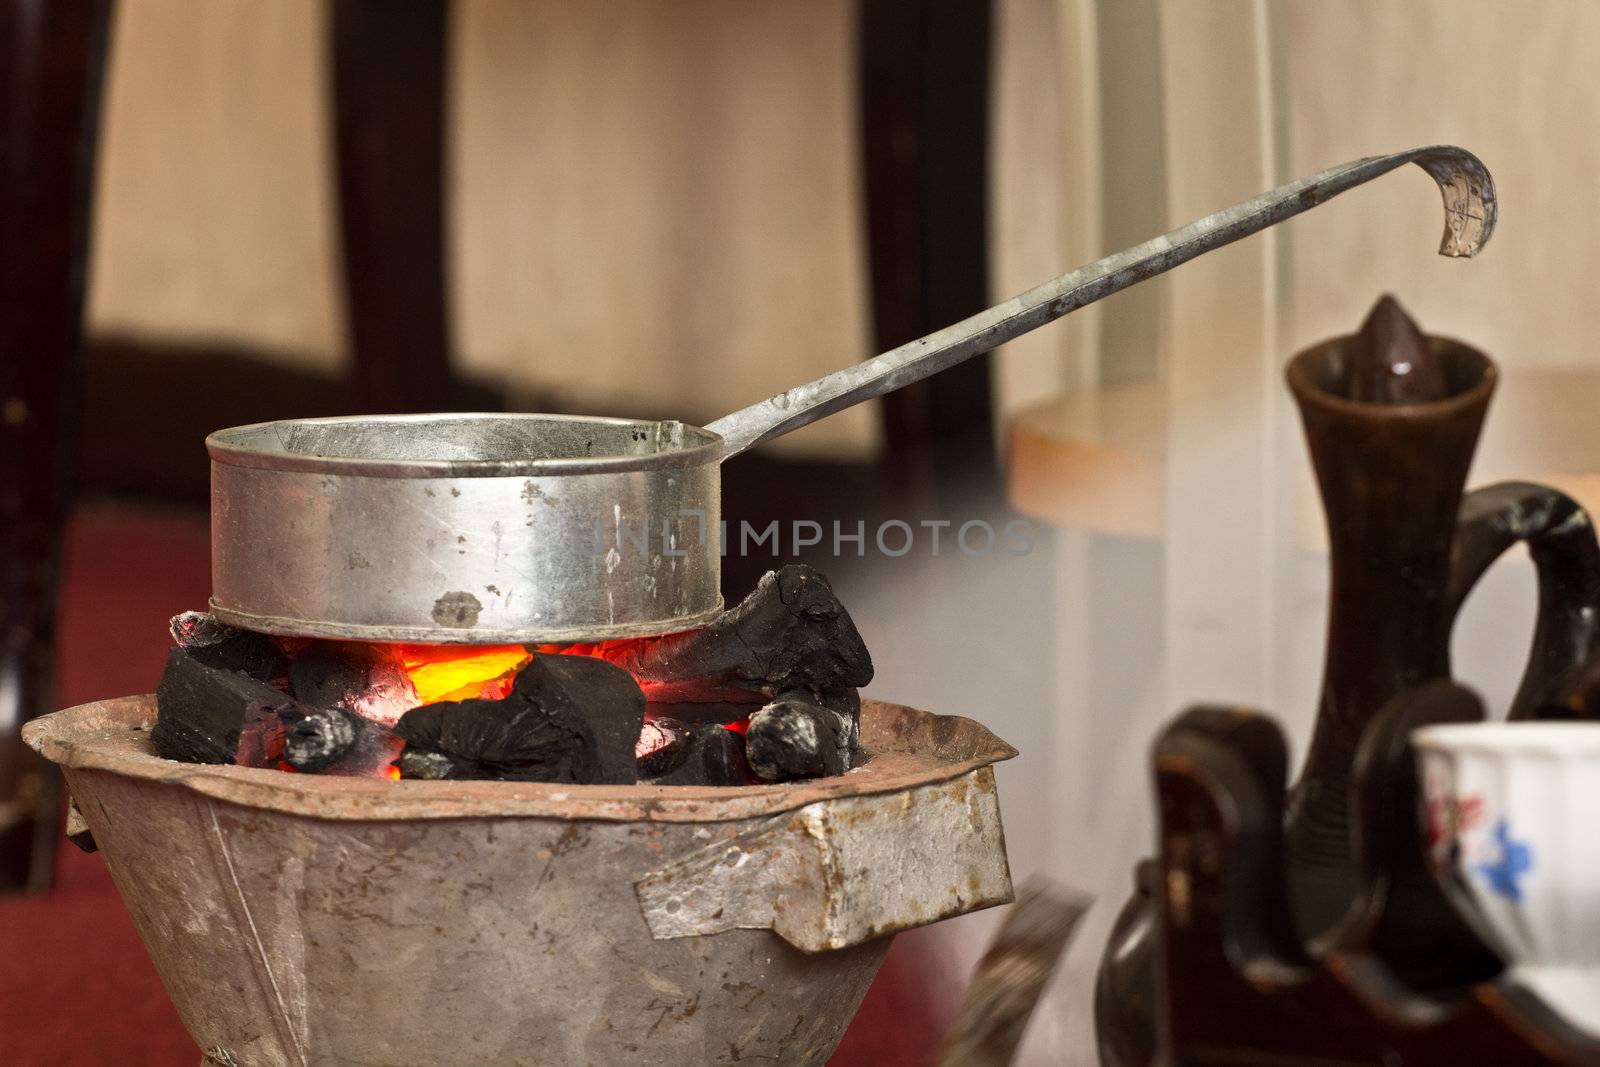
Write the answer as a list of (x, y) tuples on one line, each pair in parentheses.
[(907, 748)]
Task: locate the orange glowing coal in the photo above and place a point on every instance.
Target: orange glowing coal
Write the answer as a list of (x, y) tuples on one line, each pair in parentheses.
[(461, 672), (435, 673)]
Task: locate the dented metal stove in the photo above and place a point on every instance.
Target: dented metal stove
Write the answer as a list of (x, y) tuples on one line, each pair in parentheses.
[(304, 919)]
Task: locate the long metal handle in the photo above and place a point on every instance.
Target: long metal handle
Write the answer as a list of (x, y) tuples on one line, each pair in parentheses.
[(1469, 206)]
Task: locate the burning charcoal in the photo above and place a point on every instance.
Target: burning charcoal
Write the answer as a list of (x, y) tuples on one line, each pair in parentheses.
[(715, 756), (567, 719), (593, 691), (321, 738), (796, 737), (202, 710), (512, 740), (663, 745), (219, 645), (790, 633), (364, 678)]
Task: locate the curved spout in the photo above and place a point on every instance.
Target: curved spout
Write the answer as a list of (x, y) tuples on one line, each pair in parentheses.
[(1469, 205)]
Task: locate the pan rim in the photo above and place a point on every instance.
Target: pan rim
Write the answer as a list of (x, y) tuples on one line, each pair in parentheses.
[(227, 447), (299, 626)]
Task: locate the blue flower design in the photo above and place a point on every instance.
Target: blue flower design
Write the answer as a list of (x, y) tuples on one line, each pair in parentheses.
[(1515, 861)]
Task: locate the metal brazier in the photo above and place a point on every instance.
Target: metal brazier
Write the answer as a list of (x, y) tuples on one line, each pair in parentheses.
[(307, 919)]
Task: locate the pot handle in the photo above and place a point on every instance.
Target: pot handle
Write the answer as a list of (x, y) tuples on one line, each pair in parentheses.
[(839, 872), (1561, 540), (1469, 209)]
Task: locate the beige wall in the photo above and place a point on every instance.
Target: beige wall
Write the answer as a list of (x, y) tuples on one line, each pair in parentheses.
[(654, 206), (1516, 83), (214, 208)]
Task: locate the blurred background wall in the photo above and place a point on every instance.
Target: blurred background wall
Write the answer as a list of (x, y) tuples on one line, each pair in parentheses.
[(662, 206), (651, 206)]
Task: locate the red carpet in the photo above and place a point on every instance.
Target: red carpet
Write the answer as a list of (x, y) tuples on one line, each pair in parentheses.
[(75, 984), (76, 987)]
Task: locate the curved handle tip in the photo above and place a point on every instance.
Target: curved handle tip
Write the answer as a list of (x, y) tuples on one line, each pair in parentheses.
[(1469, 199)]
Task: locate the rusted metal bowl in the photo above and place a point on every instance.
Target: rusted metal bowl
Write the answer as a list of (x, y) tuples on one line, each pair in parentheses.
[(305, 919)]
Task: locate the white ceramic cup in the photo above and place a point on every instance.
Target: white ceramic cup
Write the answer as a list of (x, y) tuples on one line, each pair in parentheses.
[(1512, 815)]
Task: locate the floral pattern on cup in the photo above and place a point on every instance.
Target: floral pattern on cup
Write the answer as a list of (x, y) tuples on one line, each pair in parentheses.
[(1516, 860), (1510, 811), (1447, 818)]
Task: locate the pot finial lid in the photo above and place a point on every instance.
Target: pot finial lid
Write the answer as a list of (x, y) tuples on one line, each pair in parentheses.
[(1392, 362)]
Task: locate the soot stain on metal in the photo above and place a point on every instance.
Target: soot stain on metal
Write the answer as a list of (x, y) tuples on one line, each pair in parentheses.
[(457, 609)]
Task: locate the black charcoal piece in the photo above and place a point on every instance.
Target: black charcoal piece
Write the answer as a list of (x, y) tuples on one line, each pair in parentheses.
[(202, 710), (198, 629), (364, 678), (321, 738), (846, 704), (790, 633), (663, 745), (415, 763), (511, 740), (217, 644), (715, 757), (796, 737), (602, 695), (567, 719), (340, 742)]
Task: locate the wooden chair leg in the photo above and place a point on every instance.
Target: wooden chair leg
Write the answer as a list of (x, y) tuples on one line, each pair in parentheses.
[(388, 78), (925, 132), (52, 57)]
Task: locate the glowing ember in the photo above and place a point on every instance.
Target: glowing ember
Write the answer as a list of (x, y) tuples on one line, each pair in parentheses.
[(656, 736), (422, 674), (462, 672), (667, 709)]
